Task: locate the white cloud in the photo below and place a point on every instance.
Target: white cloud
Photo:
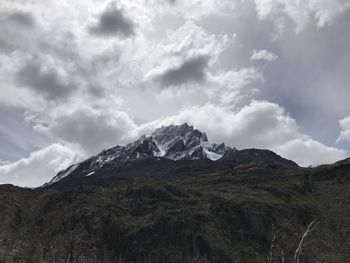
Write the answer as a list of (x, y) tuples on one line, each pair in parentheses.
[(230, 87), (263, 55), (39, 167), (166, 66), (260, 124), (306, 151), (195, 9), (345, 129), (91, 129), (302, 11), (186, 61), (187, 42), (326, 10)]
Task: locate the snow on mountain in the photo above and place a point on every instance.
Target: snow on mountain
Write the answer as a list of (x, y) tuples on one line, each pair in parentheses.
[(175, 142), (64, 173)]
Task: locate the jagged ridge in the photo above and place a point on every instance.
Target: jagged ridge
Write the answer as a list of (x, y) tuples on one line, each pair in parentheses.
[(174, 142)]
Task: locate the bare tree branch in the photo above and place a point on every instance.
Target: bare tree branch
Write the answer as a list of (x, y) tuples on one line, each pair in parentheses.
[(274, 236), (311, 227)]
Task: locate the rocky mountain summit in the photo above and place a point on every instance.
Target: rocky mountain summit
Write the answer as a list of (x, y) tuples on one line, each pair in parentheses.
[(174, 142)]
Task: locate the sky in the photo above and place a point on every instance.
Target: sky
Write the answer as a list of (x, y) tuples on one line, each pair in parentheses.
[(77, 77)]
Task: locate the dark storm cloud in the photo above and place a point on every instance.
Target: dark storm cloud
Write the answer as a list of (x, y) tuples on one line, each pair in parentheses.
[(192, 70), (46, 83), (113, 22), (22, 18), (19, 18)]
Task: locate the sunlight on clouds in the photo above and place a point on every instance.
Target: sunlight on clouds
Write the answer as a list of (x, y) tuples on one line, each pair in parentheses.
[(263, 55), (302, 11), (39, 167), (345, 130)]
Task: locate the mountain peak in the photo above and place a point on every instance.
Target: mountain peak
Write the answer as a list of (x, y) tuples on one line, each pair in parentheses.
[(174, 142), (171, 131), (179, 141)]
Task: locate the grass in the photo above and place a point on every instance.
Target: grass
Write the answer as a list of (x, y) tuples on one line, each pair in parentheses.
[(221, 214)]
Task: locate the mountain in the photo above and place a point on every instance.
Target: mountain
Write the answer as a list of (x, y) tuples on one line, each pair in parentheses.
[(175, 143), (174, 197), (182, 211), (247, 156)]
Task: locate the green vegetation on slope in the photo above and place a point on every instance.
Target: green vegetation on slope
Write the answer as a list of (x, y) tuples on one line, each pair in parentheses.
[(224, 214)]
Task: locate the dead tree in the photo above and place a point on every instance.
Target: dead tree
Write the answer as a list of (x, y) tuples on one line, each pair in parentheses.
[(272, 245), (311, 227)]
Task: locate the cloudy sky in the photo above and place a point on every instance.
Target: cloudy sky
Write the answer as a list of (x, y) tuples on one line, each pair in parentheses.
[(80, 76)]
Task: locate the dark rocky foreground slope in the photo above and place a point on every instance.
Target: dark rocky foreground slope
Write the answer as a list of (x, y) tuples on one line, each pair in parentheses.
[(183, 211)]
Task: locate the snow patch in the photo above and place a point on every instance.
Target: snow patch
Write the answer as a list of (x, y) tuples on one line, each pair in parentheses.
[(162, 149), (91, 173), (212, 156), (65, 174)]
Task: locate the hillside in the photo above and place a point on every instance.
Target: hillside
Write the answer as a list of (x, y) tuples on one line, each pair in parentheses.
[(189, 211)]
